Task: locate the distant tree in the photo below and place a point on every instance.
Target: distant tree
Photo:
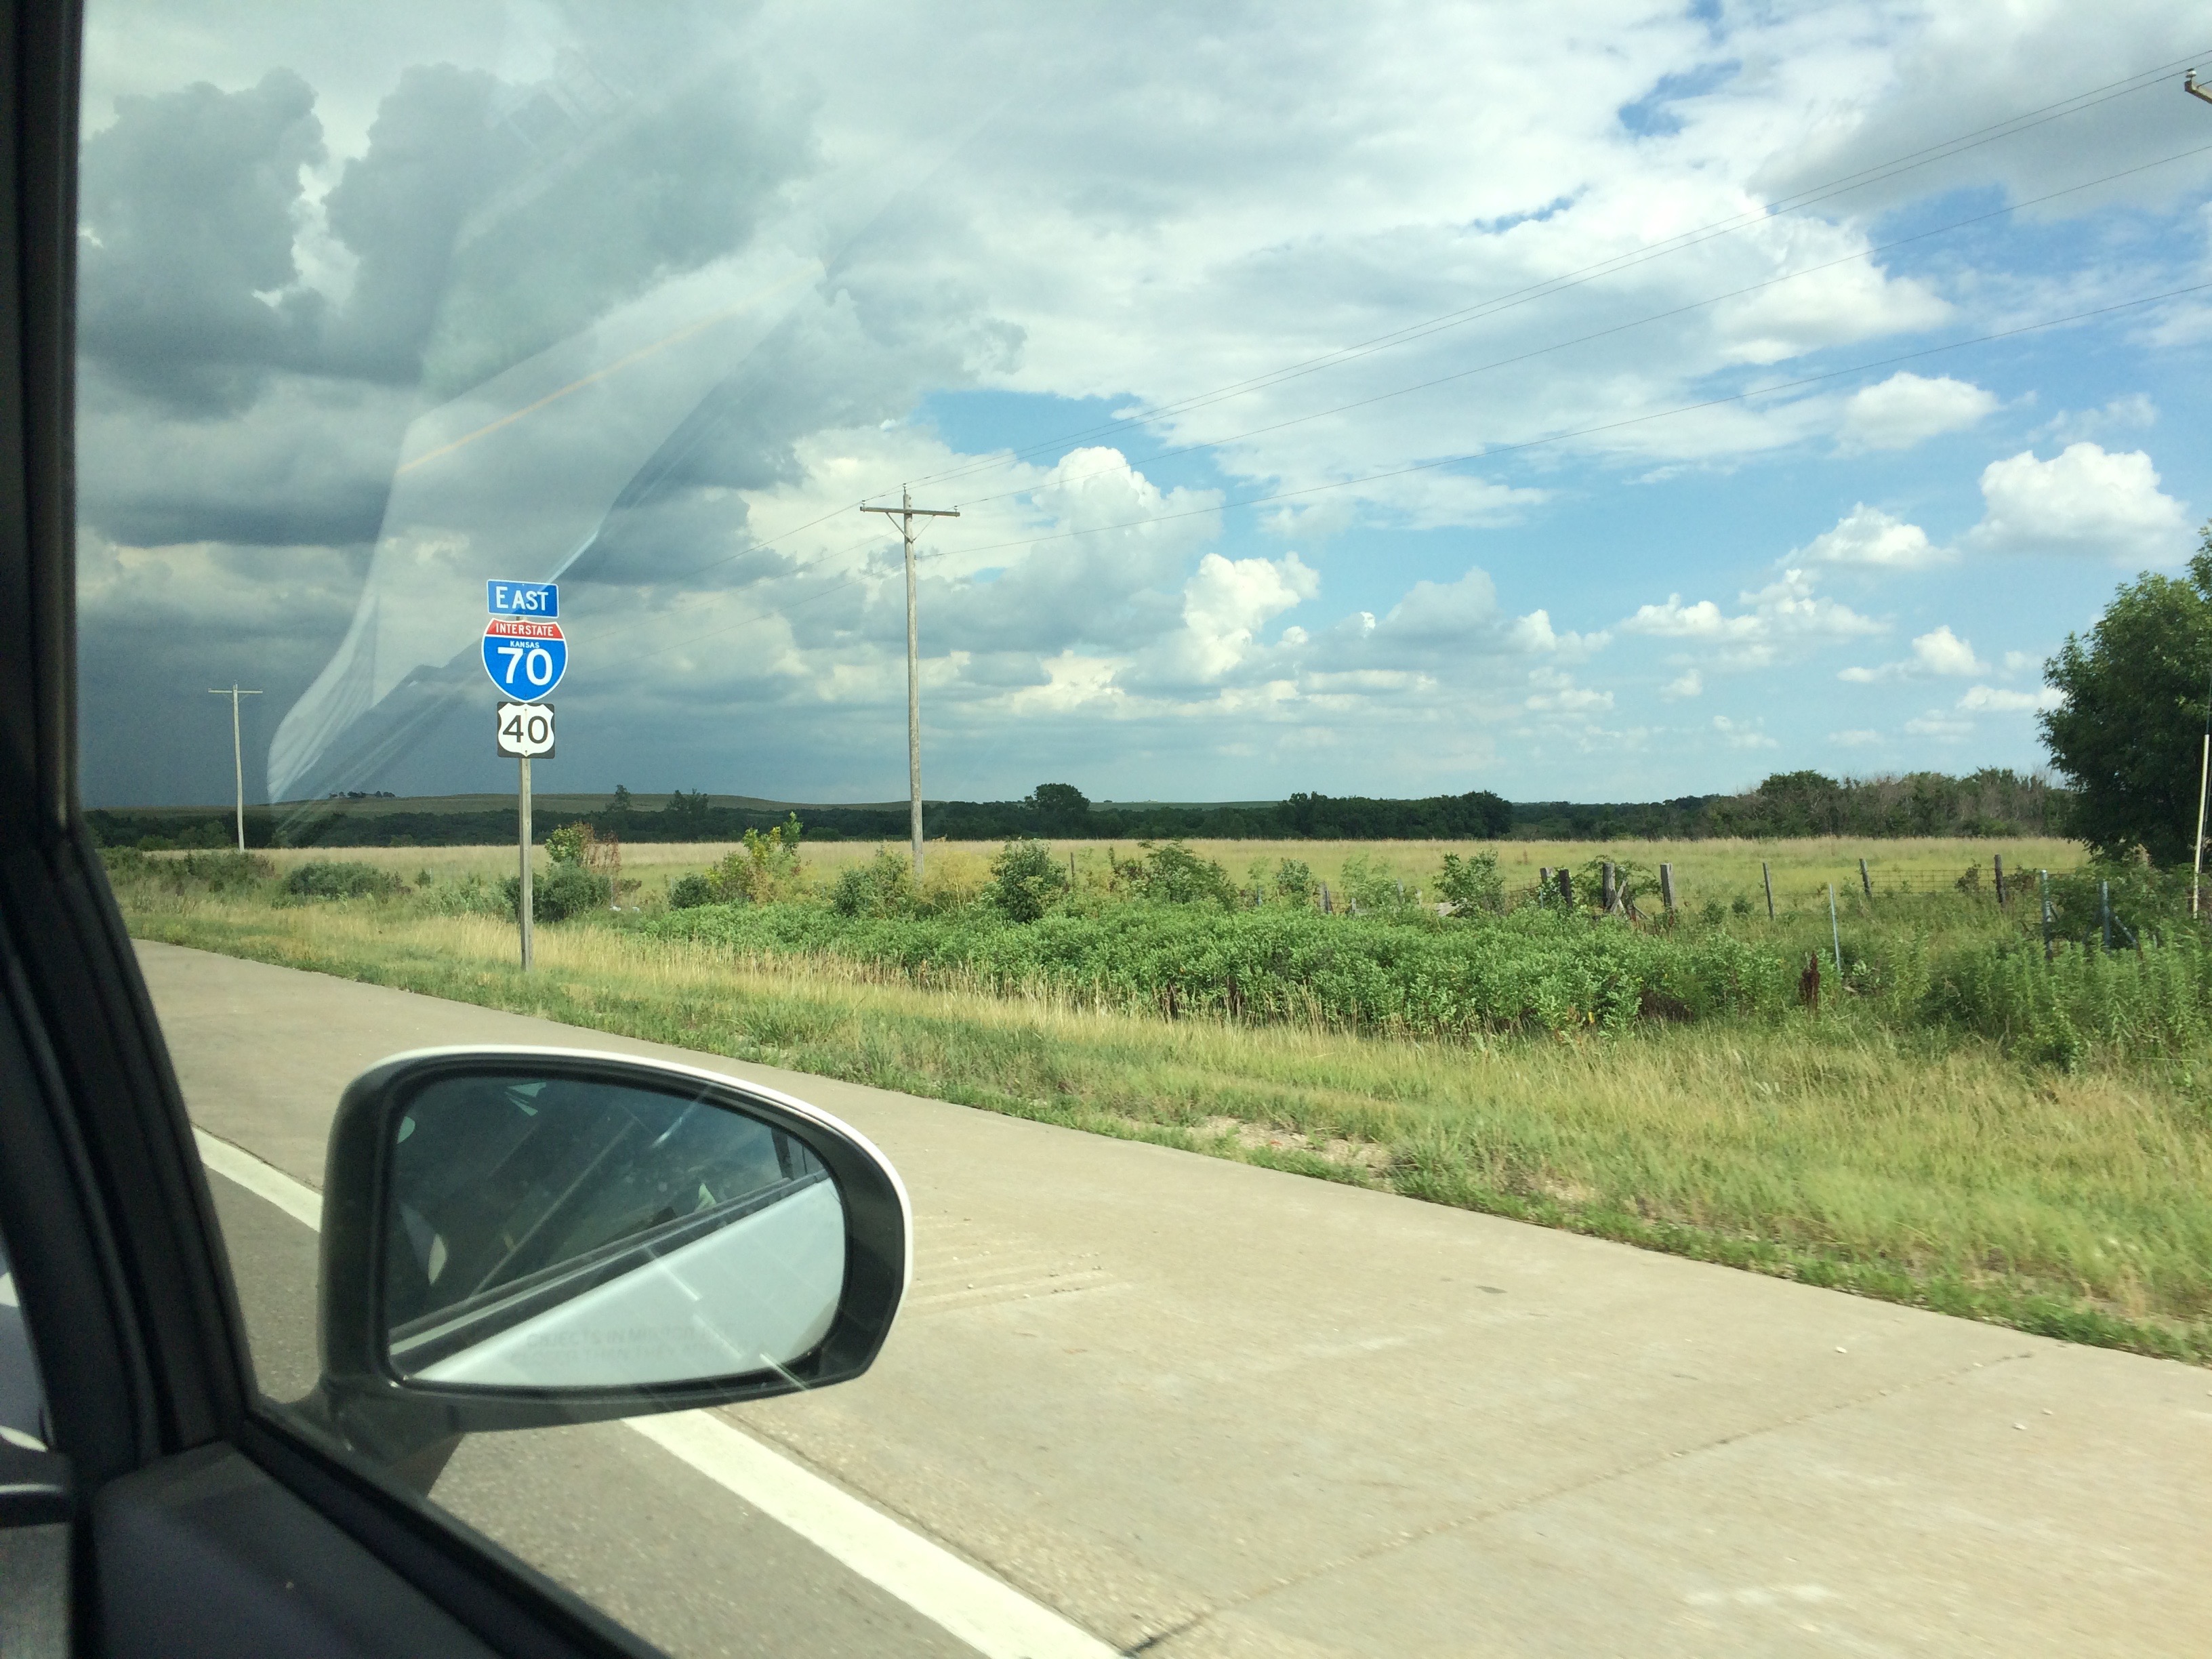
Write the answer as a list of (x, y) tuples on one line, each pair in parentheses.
[(621, 806), (1059, 807), (687, 815), (2131, 730)]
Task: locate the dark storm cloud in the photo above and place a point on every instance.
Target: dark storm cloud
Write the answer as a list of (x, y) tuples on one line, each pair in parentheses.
[(186, 213)]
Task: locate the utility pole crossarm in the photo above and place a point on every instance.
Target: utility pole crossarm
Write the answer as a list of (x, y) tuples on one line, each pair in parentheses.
[(906, 512), (2189, 85)]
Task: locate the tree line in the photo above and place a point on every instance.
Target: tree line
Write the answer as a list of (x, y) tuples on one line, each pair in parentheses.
[(1991, 802)]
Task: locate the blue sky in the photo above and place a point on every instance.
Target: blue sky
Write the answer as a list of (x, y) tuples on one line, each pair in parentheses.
[(1013, 263)]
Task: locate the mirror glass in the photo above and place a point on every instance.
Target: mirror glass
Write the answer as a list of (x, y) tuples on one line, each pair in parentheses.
[(557, 1232)]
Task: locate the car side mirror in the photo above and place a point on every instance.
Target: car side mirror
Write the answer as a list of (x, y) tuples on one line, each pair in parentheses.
[(520, 1237)]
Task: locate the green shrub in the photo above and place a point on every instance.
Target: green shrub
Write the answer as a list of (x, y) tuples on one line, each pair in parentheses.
[(1472, 883), (1171, 873), (334, 879), (1026, 881), (690, 893), (570, 843), (765, 869), (1370, 884), (1403, 971), (227, 872), (1295, 884), (884, 886), (470, 894), (563, 891)]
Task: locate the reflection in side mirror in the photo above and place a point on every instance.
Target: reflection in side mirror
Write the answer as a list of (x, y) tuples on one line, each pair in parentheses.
[(558, 1234), (518, 1237)]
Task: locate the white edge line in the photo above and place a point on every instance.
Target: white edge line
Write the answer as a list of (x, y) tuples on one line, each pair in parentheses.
[(295, 1198), (994, 1619)]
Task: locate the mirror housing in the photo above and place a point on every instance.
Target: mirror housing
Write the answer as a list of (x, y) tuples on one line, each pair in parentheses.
[(412, 1421)]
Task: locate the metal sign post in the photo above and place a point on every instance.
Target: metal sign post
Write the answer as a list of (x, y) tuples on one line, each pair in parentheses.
[(525, 654), (522, 890)]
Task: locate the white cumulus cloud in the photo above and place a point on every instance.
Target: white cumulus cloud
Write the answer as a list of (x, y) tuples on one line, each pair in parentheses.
[(1738, 734), (1867, 536), (1785, 612), (1940, 651), (2083, 501), (1906, 408), (1226, 600)]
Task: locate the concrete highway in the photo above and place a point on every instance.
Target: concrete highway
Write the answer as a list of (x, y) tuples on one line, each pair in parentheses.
[(1198, 1409)]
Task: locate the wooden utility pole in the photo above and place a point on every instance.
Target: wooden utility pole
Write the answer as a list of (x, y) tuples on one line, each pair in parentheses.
[(237, 750), (907, 512)]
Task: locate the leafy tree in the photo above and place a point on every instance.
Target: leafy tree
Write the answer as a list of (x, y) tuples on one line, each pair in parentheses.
[(2130, 732), (687, 816), (1295, 884), (1026, 880), (1060, 808), (621, 806)]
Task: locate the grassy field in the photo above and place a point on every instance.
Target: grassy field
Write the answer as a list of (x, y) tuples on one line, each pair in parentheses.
[(1922, 1163), (1717, 869)]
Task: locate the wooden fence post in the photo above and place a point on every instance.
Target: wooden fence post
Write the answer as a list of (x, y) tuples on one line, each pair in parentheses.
[(1567, 885), (1543, 881), (1866, 882), (1667, 889), (2043, 882), (1767, 876), (1326, 908), (1608, 894), (1997, 859)]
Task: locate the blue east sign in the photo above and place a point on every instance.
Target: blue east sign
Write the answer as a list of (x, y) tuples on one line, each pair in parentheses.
[(523, 599)]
